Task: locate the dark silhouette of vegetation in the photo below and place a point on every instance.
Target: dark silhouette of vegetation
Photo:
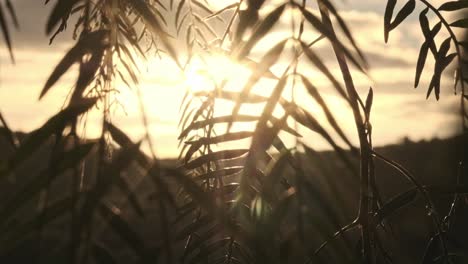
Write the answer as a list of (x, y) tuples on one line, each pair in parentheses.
[(105, 201)]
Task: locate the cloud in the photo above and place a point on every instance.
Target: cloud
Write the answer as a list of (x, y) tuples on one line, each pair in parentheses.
[(392, 70)]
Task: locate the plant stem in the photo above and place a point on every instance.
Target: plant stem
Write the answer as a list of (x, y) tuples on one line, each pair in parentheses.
[(365, 157)]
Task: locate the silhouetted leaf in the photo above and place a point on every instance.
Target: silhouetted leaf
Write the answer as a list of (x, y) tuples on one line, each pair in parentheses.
[(407, 9), (86, 74), (453, 6), (263, 66), (260, 31), (57, 209), (60, 12), (388, 18), (53, 125), (394, 204), (125, 142), (90, 41), (369, 101), (179, 10), (307, 120), (201, 240), (6, 32), (202, 6), (432, 250), (345, 28), (261, 140), (222, 138), (214, 156), (12, 12), (194, 227), (421, 61), (325, 31), (10, 136), (250, 98), (216, 120), (218, 173), (441, 63), (313, 91), (141, 7), (312, 56), (429, 35), (67, 160), (123, 229), (462, 23), (231, 6)]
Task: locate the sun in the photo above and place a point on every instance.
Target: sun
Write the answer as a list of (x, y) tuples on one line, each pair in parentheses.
[(210, 72)]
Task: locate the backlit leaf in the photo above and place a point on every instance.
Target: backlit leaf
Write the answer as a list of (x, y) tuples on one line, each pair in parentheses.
[(407, 9), (388, 18), (453, 5)]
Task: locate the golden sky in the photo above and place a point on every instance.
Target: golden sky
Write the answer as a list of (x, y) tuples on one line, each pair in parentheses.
[(399, 109)]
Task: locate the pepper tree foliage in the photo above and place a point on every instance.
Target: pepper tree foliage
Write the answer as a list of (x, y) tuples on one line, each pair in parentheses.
[(233, 205)]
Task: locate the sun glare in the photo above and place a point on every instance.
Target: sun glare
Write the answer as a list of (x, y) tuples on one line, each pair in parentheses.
[(208, 73)]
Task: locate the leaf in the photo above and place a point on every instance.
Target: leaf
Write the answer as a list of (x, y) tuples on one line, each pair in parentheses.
[(67, 160), (421, 61), (250, 98), (152, 22), (131, 196), (394, 204), (453, 6), (184, 17), (218, 173), (260, 31), (263, 66), (462, 23), (123, 229), (345, 29), (267, 113), (215, 156), (179, 10), (202, 6), (407, 9), (312, 56), (192, 150), (441, 63), (12, 12), (388, 18), (313, 91), (6, 33), (307, 120), (222, 138), (205, 201), (231, 6), (53, 125), (216, 120), (90, 41), (87, 73), (194, 227), (273, 175), (369, 100), (201, 240), (424, 23), (431, 251), (57, 209), (6, 131), (125, 142), (325, 31), (60, 12)]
